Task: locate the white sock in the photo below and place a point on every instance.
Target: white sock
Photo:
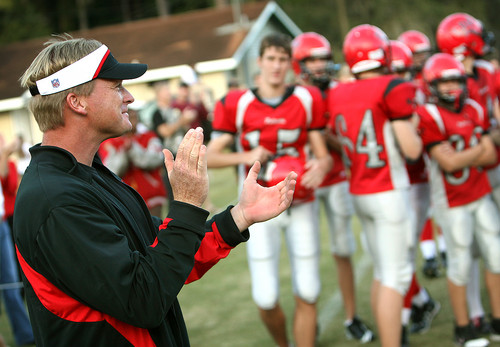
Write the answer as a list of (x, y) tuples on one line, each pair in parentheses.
[(405, 316), (441, 243), (474, 291), (428, 249), (421, 298)]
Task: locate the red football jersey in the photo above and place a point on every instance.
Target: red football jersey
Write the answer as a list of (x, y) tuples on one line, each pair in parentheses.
[(361, 114), (482, 88), (463, 131), (281, 129), (147, 182)]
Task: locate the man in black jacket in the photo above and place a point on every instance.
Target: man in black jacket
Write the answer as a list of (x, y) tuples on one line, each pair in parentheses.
[(99, 270)]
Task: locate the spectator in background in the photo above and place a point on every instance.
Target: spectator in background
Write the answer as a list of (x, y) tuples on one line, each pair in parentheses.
[(9, 277), (170, 123), (137, 158), (23, 155), (233, 84), (187, 101), (10, 176)]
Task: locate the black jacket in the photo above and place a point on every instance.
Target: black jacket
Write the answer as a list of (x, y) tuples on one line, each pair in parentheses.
[(97, 269)]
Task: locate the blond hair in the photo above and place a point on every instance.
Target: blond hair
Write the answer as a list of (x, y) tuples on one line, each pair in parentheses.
[(59, 52)]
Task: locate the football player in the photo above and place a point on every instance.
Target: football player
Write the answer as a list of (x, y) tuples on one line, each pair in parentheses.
[(373, 118), (463, 36), (418, 304), (275, 124), (452, 133), (313, 65), (420, 47)]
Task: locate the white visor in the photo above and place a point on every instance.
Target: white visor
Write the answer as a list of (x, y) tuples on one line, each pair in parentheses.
[(98, 64)]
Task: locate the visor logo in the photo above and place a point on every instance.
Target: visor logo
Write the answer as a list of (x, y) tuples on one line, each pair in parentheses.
[(55, 83)]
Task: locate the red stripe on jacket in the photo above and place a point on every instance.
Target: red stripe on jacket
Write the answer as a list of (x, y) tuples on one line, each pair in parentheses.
[(67, 308)]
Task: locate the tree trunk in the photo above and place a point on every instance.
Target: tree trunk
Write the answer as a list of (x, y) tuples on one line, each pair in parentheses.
[(162, 7), (82, 14)]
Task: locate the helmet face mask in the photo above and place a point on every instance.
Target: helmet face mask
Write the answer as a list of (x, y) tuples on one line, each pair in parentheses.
[(322, 77), (443, 67), (311, 46), (452, 97)]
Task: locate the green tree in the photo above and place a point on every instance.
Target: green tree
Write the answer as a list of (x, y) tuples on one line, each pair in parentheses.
[(21, 20)]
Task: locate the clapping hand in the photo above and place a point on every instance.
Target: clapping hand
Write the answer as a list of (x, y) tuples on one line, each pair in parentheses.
[(258, 203), (188, 173)]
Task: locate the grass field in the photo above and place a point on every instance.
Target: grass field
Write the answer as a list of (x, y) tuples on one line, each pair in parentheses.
[(219, 310)]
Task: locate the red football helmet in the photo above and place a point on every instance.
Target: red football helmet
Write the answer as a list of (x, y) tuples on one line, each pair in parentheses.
[(462, 35), (312, 45), (443, 67), (416, 41), (401, 56), (366, 47), (276, 170)]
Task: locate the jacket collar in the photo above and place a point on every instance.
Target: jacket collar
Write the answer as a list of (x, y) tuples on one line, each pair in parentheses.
[(64, 160)]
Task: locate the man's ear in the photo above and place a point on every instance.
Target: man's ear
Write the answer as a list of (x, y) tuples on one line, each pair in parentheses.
[(77, 103)]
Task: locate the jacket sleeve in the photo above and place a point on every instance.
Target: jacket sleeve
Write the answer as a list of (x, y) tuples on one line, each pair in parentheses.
[(221, 237), (83, 253)]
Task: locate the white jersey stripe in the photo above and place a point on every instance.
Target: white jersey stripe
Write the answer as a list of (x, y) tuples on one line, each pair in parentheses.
[(438, 189), (434, 112), (241, 108), (479, 109), (306, 99), (396, 164)]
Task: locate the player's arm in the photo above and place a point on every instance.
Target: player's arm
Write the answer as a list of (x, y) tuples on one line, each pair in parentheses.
[(332, 141), (407, 137), (166, 130), (451, 160), (495, 132), (398, 97), (489, 154), (320, 164)]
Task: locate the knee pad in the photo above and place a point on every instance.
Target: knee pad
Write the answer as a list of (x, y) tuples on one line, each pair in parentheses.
[(265, 282), (342, 241), (265, 293), (305, 279), (458, 270), (398, 279), (265, 300), (308, 291)]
